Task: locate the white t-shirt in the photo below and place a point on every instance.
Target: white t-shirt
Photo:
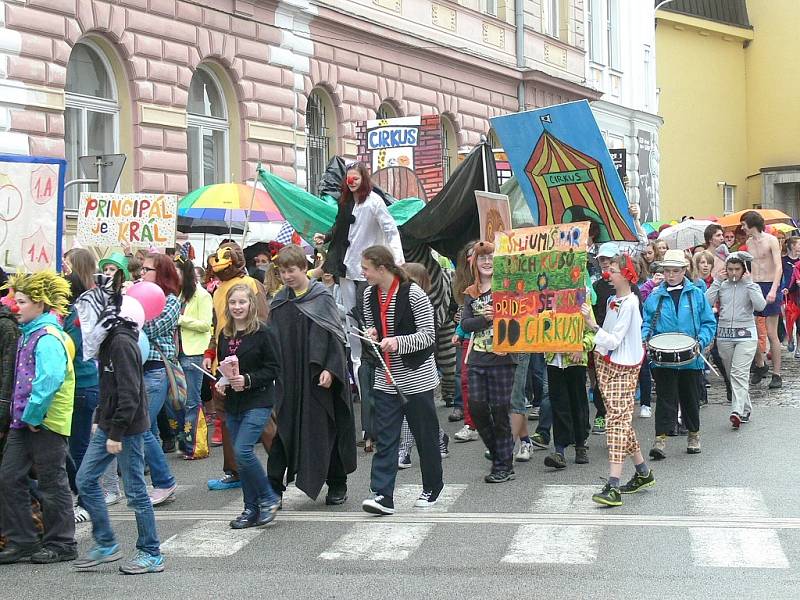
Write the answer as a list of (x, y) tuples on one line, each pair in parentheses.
[(620, 337), (373, 226)]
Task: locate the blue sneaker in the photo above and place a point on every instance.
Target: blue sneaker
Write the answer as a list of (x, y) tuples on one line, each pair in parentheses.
[(141, 563), (97, 556), (228, 482)]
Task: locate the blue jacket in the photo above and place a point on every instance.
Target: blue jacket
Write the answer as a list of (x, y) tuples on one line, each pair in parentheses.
[(694, 317)]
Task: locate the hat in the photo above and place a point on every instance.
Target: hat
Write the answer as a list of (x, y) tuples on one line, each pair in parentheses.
[(119, 260), (740, 256), (674, 258), (608, 250)]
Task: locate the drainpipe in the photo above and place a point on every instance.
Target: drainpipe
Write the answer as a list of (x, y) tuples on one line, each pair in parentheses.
[(519, 21)]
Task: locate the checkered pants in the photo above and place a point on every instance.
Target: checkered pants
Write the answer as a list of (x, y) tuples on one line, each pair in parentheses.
[(618, 384), (407, 441), (490, 402)]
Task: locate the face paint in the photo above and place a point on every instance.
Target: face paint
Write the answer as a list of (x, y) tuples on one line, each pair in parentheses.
[(351, 179), (606, 275)]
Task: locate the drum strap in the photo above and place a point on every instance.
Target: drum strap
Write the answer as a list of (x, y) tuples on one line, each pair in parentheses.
[(691, 308), (656, 317)]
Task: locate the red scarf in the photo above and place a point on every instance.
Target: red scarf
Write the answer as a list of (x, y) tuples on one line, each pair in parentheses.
[(384, 309)]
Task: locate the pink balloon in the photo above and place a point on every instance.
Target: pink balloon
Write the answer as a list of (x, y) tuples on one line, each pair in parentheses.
[(150, 296), (132, 310)]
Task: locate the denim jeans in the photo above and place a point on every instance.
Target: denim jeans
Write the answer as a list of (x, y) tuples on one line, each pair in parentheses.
[(156, 384), (85, 403), (245, 430), (131, 461), (541, 391), (518, 392), (458, 398)]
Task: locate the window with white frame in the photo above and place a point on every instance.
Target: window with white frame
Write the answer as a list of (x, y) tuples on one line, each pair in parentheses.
[(729, 198), (449, 147), (318, 138), (386, 111), (550, 17), (91, 115), (207, 130), (595, 41), (613, 44), (490, 7)]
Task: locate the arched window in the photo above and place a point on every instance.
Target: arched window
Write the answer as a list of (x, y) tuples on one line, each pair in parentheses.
[(320, 136), (91, 116), (493, 140), (449, 147), (208, 130), (386, 111)]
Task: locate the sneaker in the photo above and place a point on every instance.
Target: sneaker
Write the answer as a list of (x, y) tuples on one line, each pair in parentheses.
[(227, 482), (12, 554), (97, 556), (404, 462), (555, 461), (693, 443), (608, 496), (162, 495), (427, 499), (534, 414), (81, 514), (465, 434), (168, 446), (141, 563), (539, 442), (645, 412), (736, 420), (745, 418), (638, 482), (47, 556), (758, 374), (245, 520), (267, 511), (599, 427), (500, 477), (111, 498), (379, 505), (776, 382), (444, 446), (524, 452), (797, 353), (456, 415), (581, 455), (658, 451), (790, 346)]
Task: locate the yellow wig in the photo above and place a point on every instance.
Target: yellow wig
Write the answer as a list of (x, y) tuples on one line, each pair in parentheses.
[(44, 286)]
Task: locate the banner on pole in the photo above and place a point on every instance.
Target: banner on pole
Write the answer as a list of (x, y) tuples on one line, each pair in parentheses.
[(538, 288), (31, 212), (135, 219), (494, 213)]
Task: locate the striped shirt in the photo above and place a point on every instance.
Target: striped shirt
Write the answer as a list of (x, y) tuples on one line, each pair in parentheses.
[(410, 381)]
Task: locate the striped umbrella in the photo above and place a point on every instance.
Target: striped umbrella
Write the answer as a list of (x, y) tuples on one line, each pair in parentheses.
[(229, 202)]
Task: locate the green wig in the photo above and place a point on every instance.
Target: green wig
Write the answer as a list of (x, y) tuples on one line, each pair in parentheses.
[(46, 287)]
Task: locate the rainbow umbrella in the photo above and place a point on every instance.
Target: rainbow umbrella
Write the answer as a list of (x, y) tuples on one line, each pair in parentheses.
[(230, 202)]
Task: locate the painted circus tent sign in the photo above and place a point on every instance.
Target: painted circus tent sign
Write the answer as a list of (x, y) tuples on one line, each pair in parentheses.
[(135, 219), (538, 287)]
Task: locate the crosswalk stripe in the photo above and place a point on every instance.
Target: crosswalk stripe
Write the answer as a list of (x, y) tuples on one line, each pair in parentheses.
[(565, 499), (209, 539), (378, 541), (738, 548), (727, 501), (544, 544), (404, 497)]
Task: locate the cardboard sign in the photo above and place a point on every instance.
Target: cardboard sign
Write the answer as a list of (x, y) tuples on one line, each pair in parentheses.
[(538, 288), (31, 212), (135, 219), (564, 169), (494, 212)]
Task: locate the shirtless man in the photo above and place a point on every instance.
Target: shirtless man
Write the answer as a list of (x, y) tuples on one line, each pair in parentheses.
[(767, 272), (715, 239)]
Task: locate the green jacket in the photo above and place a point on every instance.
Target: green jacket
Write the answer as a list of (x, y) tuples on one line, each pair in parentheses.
[(566, 357)]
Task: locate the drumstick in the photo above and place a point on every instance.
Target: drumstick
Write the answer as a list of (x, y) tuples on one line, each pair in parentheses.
[(204, 371), (377, 349), (710, 366)]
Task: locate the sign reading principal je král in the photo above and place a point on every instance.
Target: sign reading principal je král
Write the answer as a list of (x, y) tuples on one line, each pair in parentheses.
[(538, 288), (134, 219)]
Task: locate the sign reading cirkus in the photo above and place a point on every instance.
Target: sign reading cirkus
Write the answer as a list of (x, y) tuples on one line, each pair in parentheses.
[(134, 219)]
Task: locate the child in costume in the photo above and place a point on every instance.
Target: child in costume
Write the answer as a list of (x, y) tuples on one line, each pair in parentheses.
[(41, 419)]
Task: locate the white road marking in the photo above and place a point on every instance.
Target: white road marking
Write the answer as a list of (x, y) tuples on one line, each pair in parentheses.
[(566, 499), (727, 502), (378, 541), (544, 544), (737, 548), (209, 539)]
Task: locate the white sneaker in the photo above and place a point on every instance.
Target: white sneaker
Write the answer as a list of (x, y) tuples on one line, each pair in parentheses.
[(524, 452), (465, 434), (645, 412), (111, 498), (81, 516)]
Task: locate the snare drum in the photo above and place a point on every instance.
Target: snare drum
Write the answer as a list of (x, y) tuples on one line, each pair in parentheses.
[(672, 349)]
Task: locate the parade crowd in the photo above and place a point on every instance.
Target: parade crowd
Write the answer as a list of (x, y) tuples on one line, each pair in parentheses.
[(273, 349)]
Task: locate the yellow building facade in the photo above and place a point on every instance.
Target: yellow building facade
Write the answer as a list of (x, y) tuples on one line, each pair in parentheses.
[(729, 93)]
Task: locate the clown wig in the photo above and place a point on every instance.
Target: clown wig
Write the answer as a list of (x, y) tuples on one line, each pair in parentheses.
[(46, 287)]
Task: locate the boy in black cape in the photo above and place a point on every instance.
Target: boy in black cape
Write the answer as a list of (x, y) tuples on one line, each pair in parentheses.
[(316, 441)]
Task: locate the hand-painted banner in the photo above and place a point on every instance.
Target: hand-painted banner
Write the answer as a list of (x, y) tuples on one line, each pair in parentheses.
[(31, 212), (391, 142), (564, 169), (538, 288), (494, 213), (135, 219)]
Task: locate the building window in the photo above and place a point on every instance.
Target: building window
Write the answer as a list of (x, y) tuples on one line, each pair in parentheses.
[(614, 51), (449, 147), (207, 131), (386, 111), (595, 41), (490, 7), (494, 141), (320, 131), (91, 113), (550, 17), (647, 77), (728, 198)]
